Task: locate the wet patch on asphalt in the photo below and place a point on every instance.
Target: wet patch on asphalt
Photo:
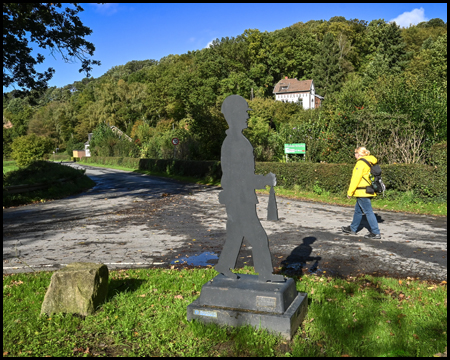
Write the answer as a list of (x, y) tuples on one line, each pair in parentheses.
[(202, 259)]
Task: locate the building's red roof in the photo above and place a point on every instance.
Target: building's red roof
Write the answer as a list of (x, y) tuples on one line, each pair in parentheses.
[(293, 85)]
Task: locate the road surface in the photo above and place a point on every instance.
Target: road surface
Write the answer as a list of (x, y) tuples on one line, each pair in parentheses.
[(132, 220)]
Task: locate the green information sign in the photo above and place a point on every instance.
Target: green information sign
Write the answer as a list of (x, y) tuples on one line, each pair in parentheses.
[(294, 148)]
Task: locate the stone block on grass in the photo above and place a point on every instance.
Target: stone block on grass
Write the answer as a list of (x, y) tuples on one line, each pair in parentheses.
[(78, 288)]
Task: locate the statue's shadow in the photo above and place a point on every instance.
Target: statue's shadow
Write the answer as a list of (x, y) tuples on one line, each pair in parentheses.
[(300, 259)]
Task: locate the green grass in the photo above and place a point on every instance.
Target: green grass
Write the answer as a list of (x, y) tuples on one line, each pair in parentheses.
[(109, 166), (404, 202), (43, 172), (397, 202), (9, 165), (145, 315), (59, 157)]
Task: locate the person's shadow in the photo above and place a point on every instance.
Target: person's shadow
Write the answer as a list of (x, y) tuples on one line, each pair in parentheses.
[(299, 257)]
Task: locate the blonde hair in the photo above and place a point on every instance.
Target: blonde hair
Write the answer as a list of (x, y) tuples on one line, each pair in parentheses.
[(362, 151)]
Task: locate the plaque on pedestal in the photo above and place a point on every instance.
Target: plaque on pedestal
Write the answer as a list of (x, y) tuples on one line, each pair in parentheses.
[(276, 307)]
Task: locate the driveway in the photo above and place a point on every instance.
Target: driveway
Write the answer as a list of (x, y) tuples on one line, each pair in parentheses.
[(132, 220)]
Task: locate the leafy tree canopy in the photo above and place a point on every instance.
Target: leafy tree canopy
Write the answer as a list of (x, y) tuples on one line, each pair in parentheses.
[(48, 26), (370, 73), (29, 148)]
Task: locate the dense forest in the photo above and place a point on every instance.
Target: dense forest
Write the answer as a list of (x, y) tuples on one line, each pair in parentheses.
[(384, 87)]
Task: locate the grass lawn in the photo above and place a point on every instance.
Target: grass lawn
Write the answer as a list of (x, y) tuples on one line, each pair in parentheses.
[(145, 315)]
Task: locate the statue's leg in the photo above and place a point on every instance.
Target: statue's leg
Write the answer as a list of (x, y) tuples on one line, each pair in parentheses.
[(257, 237), (230, 251)]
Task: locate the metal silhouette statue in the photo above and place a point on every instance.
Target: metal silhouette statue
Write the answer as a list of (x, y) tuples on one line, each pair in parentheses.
[(239, 182), (272, 210)]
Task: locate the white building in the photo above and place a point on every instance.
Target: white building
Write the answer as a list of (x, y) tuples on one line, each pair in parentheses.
[(86, 146), (293, 90)]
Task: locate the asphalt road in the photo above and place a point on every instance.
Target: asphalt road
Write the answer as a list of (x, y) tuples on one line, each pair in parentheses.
[(131, 220)]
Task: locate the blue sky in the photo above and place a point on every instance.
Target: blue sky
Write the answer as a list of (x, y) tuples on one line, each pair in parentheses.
[(125, 32)]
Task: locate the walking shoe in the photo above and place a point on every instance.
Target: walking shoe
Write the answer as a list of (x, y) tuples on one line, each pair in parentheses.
[(372, 236), (348, 230)]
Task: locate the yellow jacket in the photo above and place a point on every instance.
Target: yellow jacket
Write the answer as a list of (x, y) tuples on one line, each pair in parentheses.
[(361, 172)]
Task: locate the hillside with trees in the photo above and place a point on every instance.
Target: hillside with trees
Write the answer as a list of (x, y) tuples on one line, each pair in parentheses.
[(384, 87)]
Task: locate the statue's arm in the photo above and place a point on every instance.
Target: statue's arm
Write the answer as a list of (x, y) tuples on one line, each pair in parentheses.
[(261, 181)]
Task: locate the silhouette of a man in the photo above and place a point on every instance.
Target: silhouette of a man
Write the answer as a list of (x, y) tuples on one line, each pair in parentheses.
[(239, 183)]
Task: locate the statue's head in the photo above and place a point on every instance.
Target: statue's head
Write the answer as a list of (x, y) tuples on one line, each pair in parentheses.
[(235, 108)]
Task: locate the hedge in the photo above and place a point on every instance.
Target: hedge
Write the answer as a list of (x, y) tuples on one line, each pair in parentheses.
[(438, 154), (426, 181)]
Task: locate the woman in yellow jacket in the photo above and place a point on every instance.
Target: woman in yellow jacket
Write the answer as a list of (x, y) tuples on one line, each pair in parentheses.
[(357, 189)]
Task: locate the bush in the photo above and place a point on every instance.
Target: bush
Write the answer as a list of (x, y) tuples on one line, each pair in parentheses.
[(438, 154), (425, 181), (28, 148), (72, 145), (192, 168), (329, 177), (106, 143), (197, 169), (39, 172)]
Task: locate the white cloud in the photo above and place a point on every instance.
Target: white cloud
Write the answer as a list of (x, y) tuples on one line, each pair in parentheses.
[(208, 45), (410, 18), (106, 9)]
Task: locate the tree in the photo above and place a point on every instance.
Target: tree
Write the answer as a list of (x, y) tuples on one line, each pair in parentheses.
[(328, 73), (18, 111), (46, 26), (415, 36), (390, 56), (436, 22), (31, 147)]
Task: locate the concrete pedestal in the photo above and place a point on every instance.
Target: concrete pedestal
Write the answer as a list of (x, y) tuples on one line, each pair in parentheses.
[(276, 307)]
